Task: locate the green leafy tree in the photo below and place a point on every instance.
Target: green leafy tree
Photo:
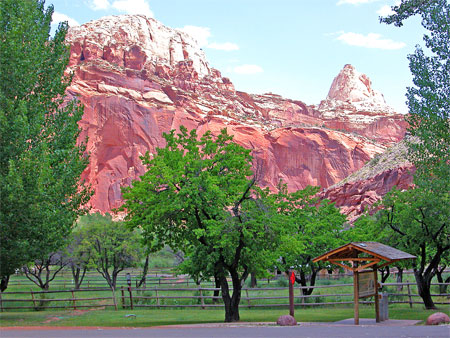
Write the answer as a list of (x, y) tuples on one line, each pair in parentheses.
[(43, 270), (40, 161), (317, 228), (198, 196), (112, 246), (428, 100), (429, 124), (78, 256), (416, 222), (368, 228)]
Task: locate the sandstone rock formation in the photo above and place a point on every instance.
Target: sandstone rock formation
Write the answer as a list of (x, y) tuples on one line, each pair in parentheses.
[(355, 197), (138, 79), (353, 105)]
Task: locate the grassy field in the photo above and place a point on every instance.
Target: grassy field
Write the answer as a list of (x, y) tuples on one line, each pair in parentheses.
[(154, 317), (165, 316), (186, 289)]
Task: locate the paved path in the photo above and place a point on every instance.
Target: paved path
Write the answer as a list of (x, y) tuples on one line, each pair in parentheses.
[(391, 329)]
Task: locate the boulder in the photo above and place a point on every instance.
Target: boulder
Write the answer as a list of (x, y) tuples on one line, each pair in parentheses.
[(286, 320), (438, 318)]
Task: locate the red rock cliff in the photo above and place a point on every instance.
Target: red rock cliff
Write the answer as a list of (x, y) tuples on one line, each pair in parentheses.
[(138, 79)]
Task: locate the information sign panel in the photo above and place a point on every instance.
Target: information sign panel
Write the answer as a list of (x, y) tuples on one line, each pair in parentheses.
[(366, 284)]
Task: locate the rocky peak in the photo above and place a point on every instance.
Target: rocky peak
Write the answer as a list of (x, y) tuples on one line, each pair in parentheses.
[(138, 78), (136, 42), (352, 90)]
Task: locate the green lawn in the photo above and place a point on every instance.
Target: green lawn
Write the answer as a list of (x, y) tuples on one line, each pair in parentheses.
[(155, 317), (167, 316)]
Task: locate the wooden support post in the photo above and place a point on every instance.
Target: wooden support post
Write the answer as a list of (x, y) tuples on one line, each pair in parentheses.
[(131, 297), (1, 302), (73, 300), (377, 300), (409, 296), (123, 296), (157, 299), (356, 292), (291, 293)]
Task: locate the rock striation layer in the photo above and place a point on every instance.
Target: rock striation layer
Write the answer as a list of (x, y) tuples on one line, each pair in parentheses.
[(138, 78)]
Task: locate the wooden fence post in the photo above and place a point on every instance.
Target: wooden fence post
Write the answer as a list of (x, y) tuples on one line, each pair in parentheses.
[(301, 296), (34, 301), (114, 298), (202, 301), (1, 302), (123, 297), (409, 296), (157, 299), (73, 299), (131, 297), (248, 299)]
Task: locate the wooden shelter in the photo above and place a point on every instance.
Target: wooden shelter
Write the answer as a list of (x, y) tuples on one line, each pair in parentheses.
[(358, 256)]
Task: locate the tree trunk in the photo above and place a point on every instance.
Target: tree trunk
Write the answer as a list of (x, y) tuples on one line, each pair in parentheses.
[(423, 286), (143, 279), (447, 280), (439, 271), (78, 275), (385, 273), (303, 281), (253, 281), (4, 283), (231, 302), (399, 278), (217, 286)]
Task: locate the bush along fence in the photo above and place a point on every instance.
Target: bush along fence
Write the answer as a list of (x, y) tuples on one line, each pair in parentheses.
[(201, 297)]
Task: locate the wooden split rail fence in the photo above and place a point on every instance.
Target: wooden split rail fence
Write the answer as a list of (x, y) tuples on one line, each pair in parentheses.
[(202, 297)]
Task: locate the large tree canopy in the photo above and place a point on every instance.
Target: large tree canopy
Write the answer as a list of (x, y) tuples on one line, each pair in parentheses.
[(317, 227), (415, 221), (418, 220), (429, 99), (112, 247), (40, 162), (198, 196)]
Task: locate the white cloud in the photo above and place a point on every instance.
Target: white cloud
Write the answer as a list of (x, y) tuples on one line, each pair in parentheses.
[(59, 17), (126, 6), (227, 46), (355, 2), (201, 34), (133, 7), (371, 40), (99, 4), (387, 10), (247, 69)]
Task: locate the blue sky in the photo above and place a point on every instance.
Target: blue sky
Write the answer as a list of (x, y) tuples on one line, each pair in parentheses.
[(289, 47)]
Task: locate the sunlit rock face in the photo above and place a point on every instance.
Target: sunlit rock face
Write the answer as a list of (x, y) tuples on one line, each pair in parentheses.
[(354, 198), (138, 78), (353, 105)]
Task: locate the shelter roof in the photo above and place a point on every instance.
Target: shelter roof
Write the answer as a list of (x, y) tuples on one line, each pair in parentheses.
[(372, 252)]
